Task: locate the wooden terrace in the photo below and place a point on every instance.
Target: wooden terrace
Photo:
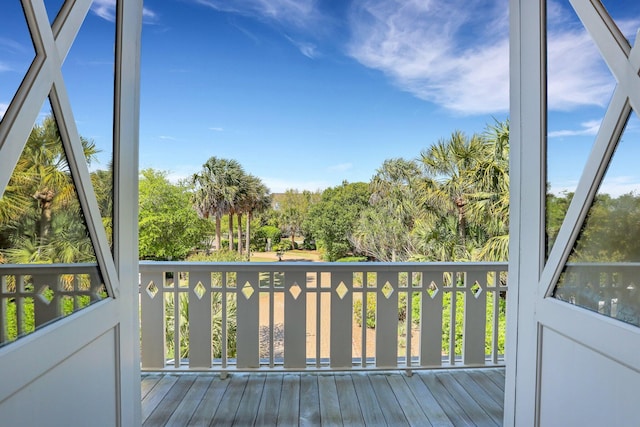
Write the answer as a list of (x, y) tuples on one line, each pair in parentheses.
[(445, 397)]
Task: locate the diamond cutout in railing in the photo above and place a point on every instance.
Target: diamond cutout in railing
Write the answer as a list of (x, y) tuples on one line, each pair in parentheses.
[(199, 290), (476, 289), (46, 294), (433, 290), (151, 289), (295, 290), (247, 290), (342, 290), (387, 290)]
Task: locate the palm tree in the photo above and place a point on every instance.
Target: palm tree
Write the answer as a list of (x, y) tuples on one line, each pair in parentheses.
[(215, 190), (255, 198), (491, 202), (39, 212), (384, 229), (451, 168)]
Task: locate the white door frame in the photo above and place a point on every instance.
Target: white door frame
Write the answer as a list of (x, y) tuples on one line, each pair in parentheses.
[(532, 309), (24, 362)]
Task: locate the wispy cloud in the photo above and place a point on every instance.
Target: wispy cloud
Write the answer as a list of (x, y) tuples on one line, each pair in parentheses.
[(167, 138), (106, 9), (588, 128), (340, 167), (12, 46), (307, 49), (456, 60), (460, 60), (3, 109), (217, 129), (298, 13)]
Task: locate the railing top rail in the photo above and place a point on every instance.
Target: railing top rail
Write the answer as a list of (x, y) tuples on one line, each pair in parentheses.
[(37, 269), (159, 266)]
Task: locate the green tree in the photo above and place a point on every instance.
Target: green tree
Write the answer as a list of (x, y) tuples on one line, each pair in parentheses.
[(332, 220), (169, 228), (490, 203), (292, 210), (215, 190), (254, 197), (384, 230), (40, 219)]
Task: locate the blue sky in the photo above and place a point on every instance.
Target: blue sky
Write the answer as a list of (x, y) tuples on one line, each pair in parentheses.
[(306, 93)]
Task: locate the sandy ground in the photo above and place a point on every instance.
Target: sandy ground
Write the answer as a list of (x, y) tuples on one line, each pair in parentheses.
[(324, 330)]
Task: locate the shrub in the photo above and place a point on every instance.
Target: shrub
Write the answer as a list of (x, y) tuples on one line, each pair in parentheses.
[(217, 256), (352, 259), (216, 325)]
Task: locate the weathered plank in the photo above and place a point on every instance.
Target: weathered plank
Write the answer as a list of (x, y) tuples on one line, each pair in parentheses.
[(496, 375), (170, 401), (371, 411), (190, 402), (250, 401), (348, 399), (208, 406), (489, 386), (156, 394), (387, 401), (480, 395), (408, 403), (329, 405), (453, 410), (226, 413), (432, 409), (147, 383), (309, 400), (270, 402), (465, 400), (290, 399)]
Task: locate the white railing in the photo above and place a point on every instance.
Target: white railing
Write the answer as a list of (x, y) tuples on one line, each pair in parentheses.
[(307, 316), (610, 289), (33, 295)]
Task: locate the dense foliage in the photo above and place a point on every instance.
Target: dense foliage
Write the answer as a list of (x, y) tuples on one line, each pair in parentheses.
[(169, 227), (332, 220)]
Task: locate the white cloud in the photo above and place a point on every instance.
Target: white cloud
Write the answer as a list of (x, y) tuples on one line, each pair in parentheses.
[(298, 13), (217, 129), (3, 109), (460, 61), (167, 138), (307, 49), (617, 186), (457, 60), (106, 9), (588, 128)]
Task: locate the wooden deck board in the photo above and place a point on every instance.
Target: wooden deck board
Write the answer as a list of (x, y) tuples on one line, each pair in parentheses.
[(170, 401), (349, 404), (226, 413), (189, 402), (289, 407), (270, 402), (439, 398), (371, 411), (387, 400), (432, 409), (329, 404), (451, 407), (208, 406)]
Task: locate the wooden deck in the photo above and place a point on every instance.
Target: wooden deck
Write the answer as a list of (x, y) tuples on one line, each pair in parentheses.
[(462, 397)]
